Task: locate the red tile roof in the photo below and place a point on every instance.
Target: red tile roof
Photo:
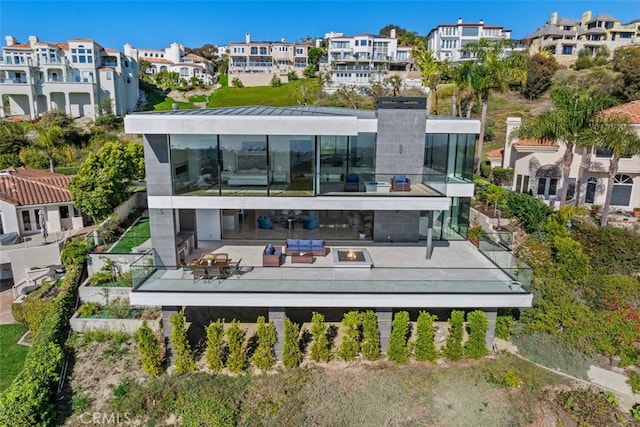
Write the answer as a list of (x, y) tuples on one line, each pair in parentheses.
[(497, 153), (25, 186), (630, 109)]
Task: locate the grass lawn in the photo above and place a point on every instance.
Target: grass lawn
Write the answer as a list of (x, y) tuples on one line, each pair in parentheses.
[(11, 354), (198, 98), (137, 235), (282, 96), (168, 102)]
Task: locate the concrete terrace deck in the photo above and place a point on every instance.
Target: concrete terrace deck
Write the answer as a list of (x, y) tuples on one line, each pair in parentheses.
[(457, 275)]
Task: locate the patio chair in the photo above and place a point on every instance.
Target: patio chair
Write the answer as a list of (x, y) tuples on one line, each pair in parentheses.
[(352, 183), (199, 272), (186, 269), (234, 268), (400, 183)]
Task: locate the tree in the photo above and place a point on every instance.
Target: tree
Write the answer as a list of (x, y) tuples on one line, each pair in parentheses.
[(309, 71), (50, 140), (370, 344), (314, 55), (614, 133), (350, 345), (431, 70), (399, 348), (12, 137), (207, 51), (104, 178), (150, 352), (404, 36), (264, 357), (541, 70), (395, 82), (237, 359), (453, 349), (291, 354), (493, 70), (626, 60), (275, 81), (55, 118), (215, 346), (570, 117), (462, 93), (320, 345), (183, 362), (476, 346)]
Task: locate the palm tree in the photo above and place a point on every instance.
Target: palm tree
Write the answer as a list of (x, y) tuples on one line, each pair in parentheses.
[(50, 140), (615, 133), (570, 117), (493, 70), (431, 70)]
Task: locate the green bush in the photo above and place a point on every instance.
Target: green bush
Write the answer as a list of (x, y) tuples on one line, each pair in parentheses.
[(275, 81), (183, 362), (30, 400), (425, 347), (350, 345), (150, 351), (504, 326), (399, 347), (215, 346), (32, 311), (510, 379), (291, 354), (292, 76), (67, 170), (237, 83), (453, 349), (548, 351), (320, 350), (100, 277), (572, 264), (370, 336), (531, 212), (88, 309), (204, 410), (237, 360), (75, 252), (476, 345), (117, 308), (264, 357)]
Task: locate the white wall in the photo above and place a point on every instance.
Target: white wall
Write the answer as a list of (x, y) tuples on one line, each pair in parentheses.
[(208, 224)]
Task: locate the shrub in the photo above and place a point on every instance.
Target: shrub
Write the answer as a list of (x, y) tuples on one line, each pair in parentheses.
[(194, 409), (350, 345), (150, 352), (504, 326), (510, 379), (476, 345), (88, 309), (370, 336), (453, 347), (215, 346), (399, 348), (309, 71), (117, 308), (183, 362), (100, 277), (571, 262), (531, 212), (33, 310), (275, 81), (292, 76), (75, 252), (320, 346), (548, 351), (291, 354), (236, 82), (264, 356), (425, 347), (237, 359)]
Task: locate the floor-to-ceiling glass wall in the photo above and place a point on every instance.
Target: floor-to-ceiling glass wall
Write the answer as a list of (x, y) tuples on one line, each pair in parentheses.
[(194, 164), (292, 165), (345, 163), (245, 165)]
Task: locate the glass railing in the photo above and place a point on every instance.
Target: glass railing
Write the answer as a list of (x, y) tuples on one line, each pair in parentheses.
[(329, 182), (13, 81), (154, 278), (502, 256)]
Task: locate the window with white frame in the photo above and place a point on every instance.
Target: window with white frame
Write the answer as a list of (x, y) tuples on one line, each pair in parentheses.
[(299, 51), (522, 183), (82, 55), (622, 186), (184, 72)]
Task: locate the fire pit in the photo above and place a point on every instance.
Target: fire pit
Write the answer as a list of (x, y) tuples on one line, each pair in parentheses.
[(356, 257)]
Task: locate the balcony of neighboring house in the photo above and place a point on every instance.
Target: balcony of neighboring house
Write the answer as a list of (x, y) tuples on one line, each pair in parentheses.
[(457, 275), (599, 160)]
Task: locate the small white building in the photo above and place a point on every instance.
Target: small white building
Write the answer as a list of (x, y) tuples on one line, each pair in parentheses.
[(75, 77), (174, 59)]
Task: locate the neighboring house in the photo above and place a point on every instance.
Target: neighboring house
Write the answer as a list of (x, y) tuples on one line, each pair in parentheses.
[(364, 59), (564, 38), (400, 178), (448, 40), (27, 197), (74, 77), (174, 59), (538, 168), (255, 63)]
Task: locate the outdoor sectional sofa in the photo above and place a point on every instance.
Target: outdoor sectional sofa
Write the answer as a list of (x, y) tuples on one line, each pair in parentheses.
[(316, 247)]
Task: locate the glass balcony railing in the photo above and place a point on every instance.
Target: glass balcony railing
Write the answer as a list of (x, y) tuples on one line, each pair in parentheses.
[(501, 255)]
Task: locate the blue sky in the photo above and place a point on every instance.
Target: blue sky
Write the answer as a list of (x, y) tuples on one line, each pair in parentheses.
[(157, 23)]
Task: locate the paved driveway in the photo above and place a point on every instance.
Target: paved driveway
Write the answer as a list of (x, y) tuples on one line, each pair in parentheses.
[(6, 298)]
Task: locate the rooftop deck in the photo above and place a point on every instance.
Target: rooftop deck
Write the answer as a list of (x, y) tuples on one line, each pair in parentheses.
[(457, 275)]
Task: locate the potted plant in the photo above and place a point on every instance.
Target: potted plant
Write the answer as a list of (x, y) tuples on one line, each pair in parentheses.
[(473, 235), (636, 212), (362, 232)]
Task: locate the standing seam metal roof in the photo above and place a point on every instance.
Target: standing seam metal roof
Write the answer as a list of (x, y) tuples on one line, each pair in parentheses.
[(267, 111)]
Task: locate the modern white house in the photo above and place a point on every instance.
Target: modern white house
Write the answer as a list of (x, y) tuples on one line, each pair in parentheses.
[(255, 63), (174, 59), (538, 167), (564, 38), (380, 197), (74, 77), (448, 40), (364, 59), (30, 200)]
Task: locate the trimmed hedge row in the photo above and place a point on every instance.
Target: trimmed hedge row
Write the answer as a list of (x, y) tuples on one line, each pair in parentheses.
[(30, 400)]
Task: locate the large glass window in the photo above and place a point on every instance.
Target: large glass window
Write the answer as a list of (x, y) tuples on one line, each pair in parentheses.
[(292, 165), (245, 165), (470, 31), (449, 155), (194, 164)]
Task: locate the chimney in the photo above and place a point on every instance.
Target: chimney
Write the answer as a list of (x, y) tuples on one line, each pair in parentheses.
[(586, 16), (10, 40), (554, 18), (247, 38), (393, 33), (459, 21), (33, 39), (481, 22)]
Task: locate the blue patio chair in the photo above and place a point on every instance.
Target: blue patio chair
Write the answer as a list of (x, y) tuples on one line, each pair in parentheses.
[(352, 183), (264, 222)]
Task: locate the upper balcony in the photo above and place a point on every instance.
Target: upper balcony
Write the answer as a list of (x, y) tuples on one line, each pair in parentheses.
[(393, 275)]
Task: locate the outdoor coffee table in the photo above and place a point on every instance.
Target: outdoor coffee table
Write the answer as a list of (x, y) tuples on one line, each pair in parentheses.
[(302, 258)]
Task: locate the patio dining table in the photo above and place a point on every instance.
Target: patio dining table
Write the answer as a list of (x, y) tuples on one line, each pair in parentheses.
[(208, 267)]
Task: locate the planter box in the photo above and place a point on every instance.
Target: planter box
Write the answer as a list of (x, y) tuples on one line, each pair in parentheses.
[(101, 294), (129, 326)]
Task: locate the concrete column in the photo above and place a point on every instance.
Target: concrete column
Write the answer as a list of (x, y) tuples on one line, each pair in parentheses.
[(167, 329), (385, 316), (430, 234), (492, 314), (67, 104), (33, 107), (277, 315)]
